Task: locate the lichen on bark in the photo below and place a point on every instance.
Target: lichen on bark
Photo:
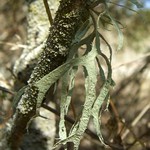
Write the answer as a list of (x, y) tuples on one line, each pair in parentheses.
[(67, 21)]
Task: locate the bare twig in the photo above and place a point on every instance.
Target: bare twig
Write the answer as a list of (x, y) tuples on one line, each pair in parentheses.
[(48, 11), (6, 90), (117, 116), (136, 120), (124, 7)]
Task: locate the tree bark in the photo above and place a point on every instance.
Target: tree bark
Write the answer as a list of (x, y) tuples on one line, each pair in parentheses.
[(37, 32)]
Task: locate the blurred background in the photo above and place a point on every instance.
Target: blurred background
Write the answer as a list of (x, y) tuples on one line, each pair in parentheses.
[(127, 124)]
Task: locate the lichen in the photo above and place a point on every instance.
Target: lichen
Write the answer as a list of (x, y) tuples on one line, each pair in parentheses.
[(28, 100), (62, 32)]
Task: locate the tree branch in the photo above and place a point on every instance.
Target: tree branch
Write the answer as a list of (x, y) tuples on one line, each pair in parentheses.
[(66, 23)]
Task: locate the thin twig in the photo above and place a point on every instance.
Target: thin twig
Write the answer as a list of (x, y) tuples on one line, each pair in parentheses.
[(6, 90), (70, 120), (117, 116), (136, 120), (13, 44), (124, 7), (48, 11)]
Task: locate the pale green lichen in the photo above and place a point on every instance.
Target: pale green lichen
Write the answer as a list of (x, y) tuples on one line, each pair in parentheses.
[(28, 100)]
